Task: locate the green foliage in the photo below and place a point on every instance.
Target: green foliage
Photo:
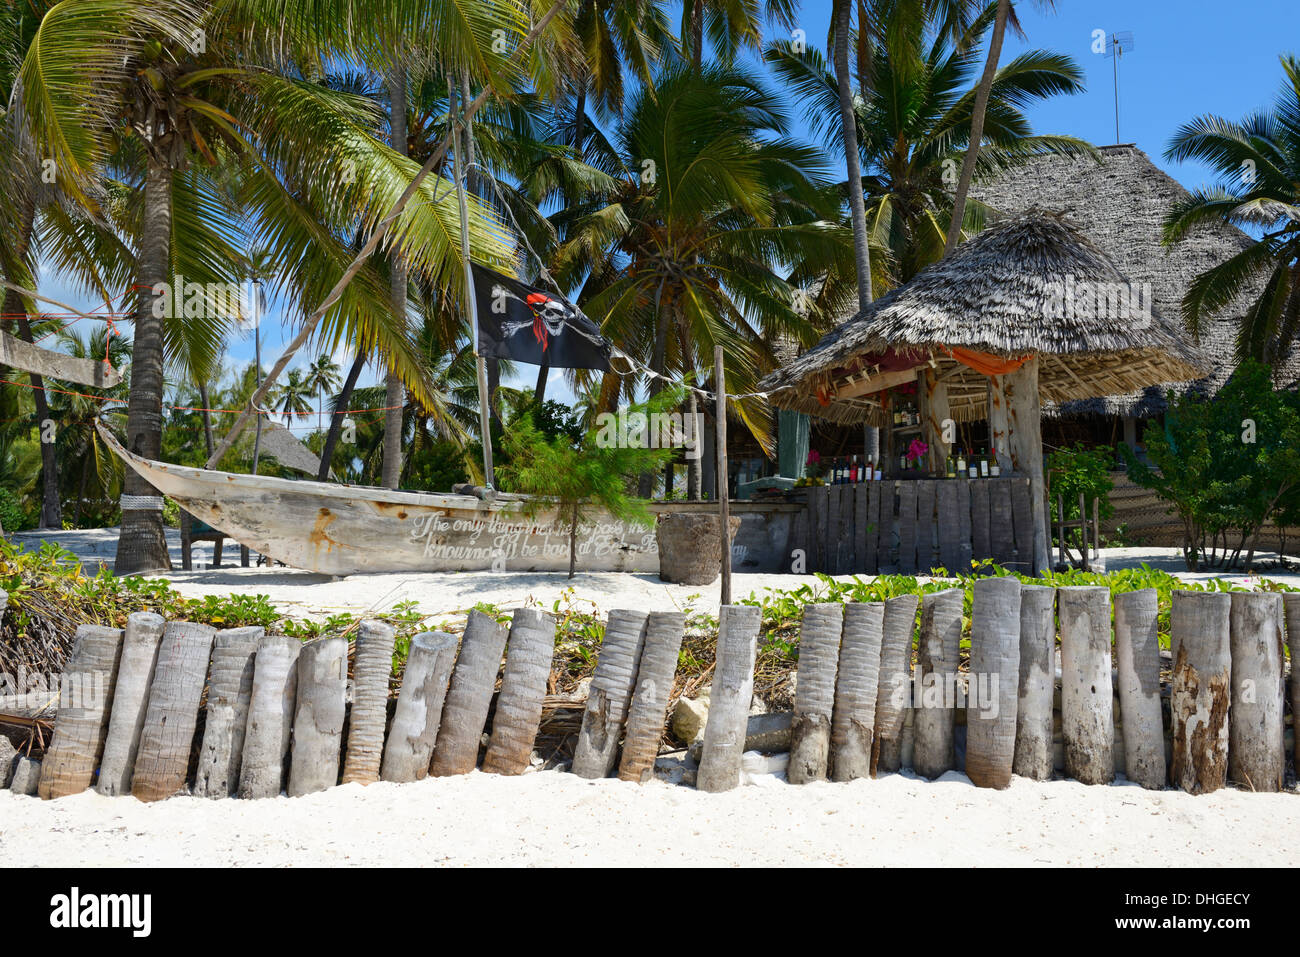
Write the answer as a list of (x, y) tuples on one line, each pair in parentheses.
[(12, 518), (1080, 470)]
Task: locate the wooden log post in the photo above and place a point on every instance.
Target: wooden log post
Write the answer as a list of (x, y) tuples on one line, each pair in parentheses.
[(819, 656), (469, 697), (271, 707), (409, 750), (724, 512), (894, 688), (1087, 697), (135, 670), (733, 691), (85, 704), (999, 437), (1137, 657), (230, 689), (1200, 692), (935, 403), (372, 670), (994, 682), (318, 718), (1037, 688), (654, 684), (1291, 609), (523, 687), (936, 664), (1256, 733), (1024, 428), (853, 722), (163, 758), (609, 694)]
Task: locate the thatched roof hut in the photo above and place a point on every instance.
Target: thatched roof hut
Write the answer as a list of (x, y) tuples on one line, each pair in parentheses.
[(1031, 285)]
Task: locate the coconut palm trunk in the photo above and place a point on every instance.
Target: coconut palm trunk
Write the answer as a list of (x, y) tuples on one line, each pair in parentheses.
[(409, 750), (523, 688), (336, 420), (610, 693), (852, 158), (994, 682), (144, 631), (372, 669), (1137, 660), (85, 702), (654, 682), (1087, 699), (395, 391), (857, 681), (167, 735), (1199, 693), (141, 546), (1256, 730), (819, 656), (1033, 750)]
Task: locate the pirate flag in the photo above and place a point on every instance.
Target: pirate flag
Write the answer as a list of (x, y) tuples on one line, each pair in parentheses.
[(529, 325)]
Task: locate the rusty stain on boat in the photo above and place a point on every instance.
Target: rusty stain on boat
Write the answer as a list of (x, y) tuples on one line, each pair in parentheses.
[(318, 536)]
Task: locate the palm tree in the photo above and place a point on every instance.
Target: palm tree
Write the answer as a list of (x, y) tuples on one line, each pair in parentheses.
[(293, 396), (323, 376), (849, 140), (1258, 162)]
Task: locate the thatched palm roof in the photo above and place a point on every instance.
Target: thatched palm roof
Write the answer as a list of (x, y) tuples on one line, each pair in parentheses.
[(1018, 288)]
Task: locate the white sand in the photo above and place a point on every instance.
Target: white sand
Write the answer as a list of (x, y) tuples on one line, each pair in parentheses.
[(556, 819)]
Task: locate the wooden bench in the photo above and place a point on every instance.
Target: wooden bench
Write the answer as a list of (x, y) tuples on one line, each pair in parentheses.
[(192, 530)]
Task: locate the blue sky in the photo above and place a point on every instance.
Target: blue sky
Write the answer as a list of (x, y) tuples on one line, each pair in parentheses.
[(1190, 57)]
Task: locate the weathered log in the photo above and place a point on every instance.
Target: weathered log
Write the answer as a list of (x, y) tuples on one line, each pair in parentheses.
[(409, 750), (270, 717), (85, 702), (230, 688), (1200, 690), (994, 682), (857, 680), (529, 654), (1256, 734), (1291, 609), (26, 778), (814, 702), (1025, 441), (372, 670), (135, 668), (936, 662), (654, 683), (1037, 687), (733, 692), (894, 690), (469, 696), (1137, 655), (18, 354), (167, 737), (611, 690), (998, 422), (1087, 697), (318, 719)]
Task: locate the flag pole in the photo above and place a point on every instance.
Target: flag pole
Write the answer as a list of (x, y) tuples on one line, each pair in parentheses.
[(470, 302)]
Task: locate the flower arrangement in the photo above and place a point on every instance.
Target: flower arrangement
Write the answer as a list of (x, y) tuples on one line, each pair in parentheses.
[(813, 465), (916, 451)]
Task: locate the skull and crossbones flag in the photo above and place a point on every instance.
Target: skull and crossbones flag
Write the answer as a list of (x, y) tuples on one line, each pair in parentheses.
[(531, 325)]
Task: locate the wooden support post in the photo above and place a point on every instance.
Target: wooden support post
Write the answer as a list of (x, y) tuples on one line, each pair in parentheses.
[(1137, 659), (999, 436), (857, 681), (85, 704), (1256, 733), (819, 655), (1060, 530), (1201, 690), (1037, 690), (135, 670), (1087, 697), (167, 737), (469, 696), (609, 694), (270, 717), (895, 678), (1026, 444), (1291, 609), (318, 721), (1086, 555), (724, 511), (409, 750), (733, 691), (994, 682), (936, 664), (372, 672), (1096, 527), (654, 683), (230, 689), (936, 411), (523, 686)]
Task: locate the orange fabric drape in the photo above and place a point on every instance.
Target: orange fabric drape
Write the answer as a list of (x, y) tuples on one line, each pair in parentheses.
[(984, 363)]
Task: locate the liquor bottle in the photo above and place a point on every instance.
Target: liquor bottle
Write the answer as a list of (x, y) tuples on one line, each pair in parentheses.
[(961, 464), (950, 468), (995, 469), (972, 467), (984, 464)]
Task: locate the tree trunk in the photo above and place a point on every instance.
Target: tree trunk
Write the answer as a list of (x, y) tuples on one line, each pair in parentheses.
[(646, 483), (1025, 438), (936, 662), (814, 703), (1200, 690), (935, 399), (994, 682), (469, 697), (580, 118), (979, 108), (1291, 609), (230, 688), (1037, 688), (372, 669), (336, 420), (733, 692), (141, 545), (693, 464), (395, 391), (697, 34), (51, 507), (539, 390), (1256, 731), (85, 702), (654, 683), (163, 759), (409, 750), (853, 720), (135, 670), (1137, 658), (610, 692), (573, 541), (530, 652), (270, 717), (852, 158), (208, 441), (998, 422), (1087, 698), (318, 720), (892, 693)]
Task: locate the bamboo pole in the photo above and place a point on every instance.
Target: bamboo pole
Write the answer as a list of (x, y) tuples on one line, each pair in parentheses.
[(810, 729), (135, 670), (994, 682), (85, 702), (270, 717), (469, 696), (1037, 689), (372, 671), (857, 680), (318, 721), (1201, 690), (733, 691), (610, 692), (409, 750), (230, 689), (654, 683), (1137, 654), (1256, 733), (529, 654)]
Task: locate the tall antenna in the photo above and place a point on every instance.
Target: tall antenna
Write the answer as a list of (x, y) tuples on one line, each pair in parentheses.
[(1117, 44)]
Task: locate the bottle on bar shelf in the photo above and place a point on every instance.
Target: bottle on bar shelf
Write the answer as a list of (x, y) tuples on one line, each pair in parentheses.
[(961, 464), (995, 470), (984, 463), (950, 468), (972, 467)]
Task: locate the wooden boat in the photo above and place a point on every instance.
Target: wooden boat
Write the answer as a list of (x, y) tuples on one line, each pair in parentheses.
[(348, 529)]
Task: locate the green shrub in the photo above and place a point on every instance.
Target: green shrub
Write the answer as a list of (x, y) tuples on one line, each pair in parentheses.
[(11, 512)]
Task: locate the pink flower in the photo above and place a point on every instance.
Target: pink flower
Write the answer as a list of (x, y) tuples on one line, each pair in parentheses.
[(813, 457), (916, 450)]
